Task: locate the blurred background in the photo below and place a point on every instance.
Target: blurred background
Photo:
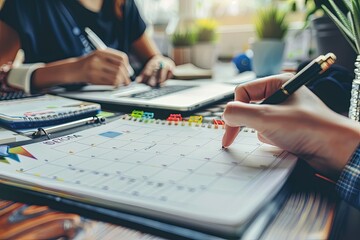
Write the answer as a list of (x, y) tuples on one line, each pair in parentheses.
[(235, 23)]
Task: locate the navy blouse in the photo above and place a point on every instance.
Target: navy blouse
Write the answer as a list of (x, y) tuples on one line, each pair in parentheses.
[(52, 30)]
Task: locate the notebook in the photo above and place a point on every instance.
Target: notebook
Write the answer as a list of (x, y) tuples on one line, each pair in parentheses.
[(7, 136), (166, 171), (44, 110), (174, 95), (189, 71)]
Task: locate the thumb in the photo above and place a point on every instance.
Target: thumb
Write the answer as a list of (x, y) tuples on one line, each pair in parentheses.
[(238, 114)]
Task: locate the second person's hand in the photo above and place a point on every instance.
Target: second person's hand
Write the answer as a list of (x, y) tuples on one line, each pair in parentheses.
[(157, 70), (105, 67)]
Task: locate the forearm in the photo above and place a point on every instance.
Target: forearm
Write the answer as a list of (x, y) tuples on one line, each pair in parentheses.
[(61, 72), (145, 48)]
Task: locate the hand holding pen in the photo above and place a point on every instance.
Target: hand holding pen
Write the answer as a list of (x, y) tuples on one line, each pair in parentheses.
[(302, 124), (105, 66), (274, 90), (156, 71)]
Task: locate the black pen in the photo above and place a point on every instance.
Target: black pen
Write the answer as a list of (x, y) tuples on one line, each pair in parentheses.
[(307, 74)]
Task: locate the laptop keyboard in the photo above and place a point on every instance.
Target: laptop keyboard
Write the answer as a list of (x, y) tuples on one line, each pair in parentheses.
[(16, 95), (158, 92)]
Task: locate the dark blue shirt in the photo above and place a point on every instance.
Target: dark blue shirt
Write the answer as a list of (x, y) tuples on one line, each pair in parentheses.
[(51, 30)]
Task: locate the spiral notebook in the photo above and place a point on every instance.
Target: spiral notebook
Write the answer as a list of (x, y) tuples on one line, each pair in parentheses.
[(44, 110), (167, 171)]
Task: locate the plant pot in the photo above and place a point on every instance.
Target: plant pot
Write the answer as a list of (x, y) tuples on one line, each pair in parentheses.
[(354, 110), (268, 57), (181, 55), (329, 39), (204, 55)]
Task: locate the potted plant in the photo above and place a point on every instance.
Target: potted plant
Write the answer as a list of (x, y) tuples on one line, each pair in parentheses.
[(271, 28), (182, 41), (327, 35), (205, 51), (349, 25)]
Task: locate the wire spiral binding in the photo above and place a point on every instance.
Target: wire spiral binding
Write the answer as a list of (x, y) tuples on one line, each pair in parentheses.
[(175, 123)]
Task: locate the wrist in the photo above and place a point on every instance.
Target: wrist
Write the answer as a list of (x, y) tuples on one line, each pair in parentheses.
[(62, 72), (344, 142)]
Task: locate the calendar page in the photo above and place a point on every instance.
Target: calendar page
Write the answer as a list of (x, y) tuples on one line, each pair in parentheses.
[(173, 172)]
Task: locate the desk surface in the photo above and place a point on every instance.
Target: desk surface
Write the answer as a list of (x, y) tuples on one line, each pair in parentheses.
[(346, 219)]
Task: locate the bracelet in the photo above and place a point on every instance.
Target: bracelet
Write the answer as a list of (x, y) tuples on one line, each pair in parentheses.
[(4, 72)]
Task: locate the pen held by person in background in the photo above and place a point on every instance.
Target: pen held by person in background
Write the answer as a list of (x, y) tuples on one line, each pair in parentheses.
[(100, 45)]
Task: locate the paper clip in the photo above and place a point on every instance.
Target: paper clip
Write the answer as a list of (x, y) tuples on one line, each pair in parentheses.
[(174, 118), (148, 115), (137, 114), (218, 122), (195, 119)]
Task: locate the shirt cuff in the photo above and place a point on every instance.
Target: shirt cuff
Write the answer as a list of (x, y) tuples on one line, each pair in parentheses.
[(348, 184), (20, 77)]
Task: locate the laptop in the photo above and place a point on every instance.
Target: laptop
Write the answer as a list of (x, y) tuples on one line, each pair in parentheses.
[(178, 95)]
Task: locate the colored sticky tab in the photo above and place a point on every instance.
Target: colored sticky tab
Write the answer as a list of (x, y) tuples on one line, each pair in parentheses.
[(4, 150), (195, 119), (218, 122), (137, 114), (148, 115), (174, 118)]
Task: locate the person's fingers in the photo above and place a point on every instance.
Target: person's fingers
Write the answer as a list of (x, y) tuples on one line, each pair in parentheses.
[(164, 74), (238, 114), (263, 139), (229, 135), (233, 118), (253, 91), (122, 77), (143, 78), (260, 89), (152, 81), (169, 74)]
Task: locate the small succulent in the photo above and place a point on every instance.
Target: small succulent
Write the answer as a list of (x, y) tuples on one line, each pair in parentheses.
[(206, 30), (349, 24), (271, 23), (183, 38)]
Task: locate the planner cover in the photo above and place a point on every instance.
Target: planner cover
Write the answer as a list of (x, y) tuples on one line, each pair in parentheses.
[(44, 110), (171, 172)]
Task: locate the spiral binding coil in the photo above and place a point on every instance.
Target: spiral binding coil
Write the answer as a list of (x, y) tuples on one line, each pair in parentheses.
[(176, 123)]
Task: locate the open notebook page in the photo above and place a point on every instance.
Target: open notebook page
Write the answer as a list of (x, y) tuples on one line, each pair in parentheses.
[(175, 173)]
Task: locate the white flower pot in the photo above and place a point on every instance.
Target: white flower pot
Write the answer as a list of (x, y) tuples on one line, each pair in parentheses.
[(181, 55), (204, 55), (268, 57)]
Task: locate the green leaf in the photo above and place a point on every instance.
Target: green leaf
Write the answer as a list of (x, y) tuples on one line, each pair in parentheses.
[(341, 16), (271, 23), (348, 4), (340, 25), (354, 30)]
